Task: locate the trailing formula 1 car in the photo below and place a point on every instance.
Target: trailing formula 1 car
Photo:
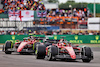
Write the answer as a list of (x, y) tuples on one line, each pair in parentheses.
[(64, 50), (28, 45)]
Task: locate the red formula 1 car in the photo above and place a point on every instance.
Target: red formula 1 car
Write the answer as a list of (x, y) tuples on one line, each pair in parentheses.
[(28, 45), (64, 50)]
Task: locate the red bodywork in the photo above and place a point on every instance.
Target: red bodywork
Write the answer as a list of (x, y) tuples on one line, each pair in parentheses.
[(23, 44), (69, 49)]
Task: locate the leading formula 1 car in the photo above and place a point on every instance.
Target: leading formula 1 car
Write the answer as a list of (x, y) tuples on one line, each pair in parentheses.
[(28, 45), (64, 50)]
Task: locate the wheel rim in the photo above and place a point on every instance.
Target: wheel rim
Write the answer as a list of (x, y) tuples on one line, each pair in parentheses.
[(36, 52), (49, 55)]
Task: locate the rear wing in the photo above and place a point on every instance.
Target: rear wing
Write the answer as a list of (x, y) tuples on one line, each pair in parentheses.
[(52, 41), (26, 38), (39, 38)]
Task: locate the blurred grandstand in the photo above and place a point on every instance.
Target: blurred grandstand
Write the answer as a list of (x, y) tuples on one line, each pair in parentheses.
[(45, 17)]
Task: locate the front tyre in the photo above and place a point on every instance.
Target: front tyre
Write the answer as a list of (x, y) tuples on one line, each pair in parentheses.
[(87, 54), (40, 51), (51, 53), (7, 46), (34, 46)]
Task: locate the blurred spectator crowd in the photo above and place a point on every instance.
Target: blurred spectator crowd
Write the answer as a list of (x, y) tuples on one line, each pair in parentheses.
[(22, 5), (67, 15), (52, 14), (57, 32)]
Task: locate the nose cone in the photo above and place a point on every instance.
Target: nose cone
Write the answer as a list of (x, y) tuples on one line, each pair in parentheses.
[(71, 52), (21, 46), (19, 50), (73, 57)]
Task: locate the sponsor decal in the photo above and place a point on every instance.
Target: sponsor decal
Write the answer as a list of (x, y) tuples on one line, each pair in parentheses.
[(76, 40), (13, 37), (97, 40), (55, 37)]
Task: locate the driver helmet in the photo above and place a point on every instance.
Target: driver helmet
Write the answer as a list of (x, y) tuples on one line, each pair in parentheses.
[(45, 40), (64, 44)]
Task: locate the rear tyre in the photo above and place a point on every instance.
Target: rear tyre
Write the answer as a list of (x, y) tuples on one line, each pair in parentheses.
[(86, 60), (35, 46), (52, 52), (87, 54), (40, 51), (7, 46)]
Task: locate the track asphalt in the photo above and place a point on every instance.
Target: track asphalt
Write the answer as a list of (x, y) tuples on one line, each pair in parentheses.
[(17, 60)]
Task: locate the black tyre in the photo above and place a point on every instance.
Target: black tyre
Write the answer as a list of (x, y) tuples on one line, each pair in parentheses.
[(86, 60), (34, 46), (87, 55), (7, 46), (40, 51), (52, 52)]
